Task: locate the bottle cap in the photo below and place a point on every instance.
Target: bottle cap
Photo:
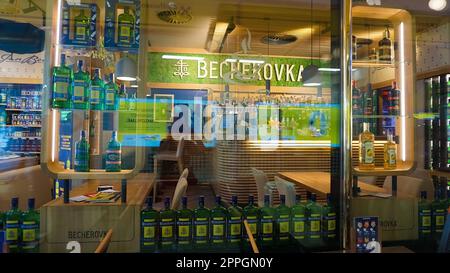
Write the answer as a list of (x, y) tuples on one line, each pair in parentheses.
[(150, 201), (83, 133), (366, 126), (201, 199), (282, 198), (63, 59), (329, 198), (80, 65), (313, 197), (97, 72), (114, 135), (218, 199), (251, 199), (234, 199), (298, 198), (15, 202), (184, 201), (167, 202), (423, 195), (30, 203)]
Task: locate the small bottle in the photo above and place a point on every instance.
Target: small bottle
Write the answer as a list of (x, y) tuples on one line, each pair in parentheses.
[(438, 212), (167, 218), (283, 215), (81, 84), (201, 222), (424, 218), (81, 163), (30, 229), (234, 221), (97, 95), (111, 94), (356, 99), (149, 223), (12, 226), (62, 85), (394, 100), (298, 219), (314, 214), (218, 223), (329, 219), (366, 149), (267, 216), (114, 154), (390, 153), (81, 27), (126, 23), (184, 223), (251, 215), (354, 47), (384, 47)]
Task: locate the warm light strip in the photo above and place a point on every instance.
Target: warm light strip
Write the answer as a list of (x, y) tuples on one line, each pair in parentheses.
[(53, 134), (188, 58), (402, 92)]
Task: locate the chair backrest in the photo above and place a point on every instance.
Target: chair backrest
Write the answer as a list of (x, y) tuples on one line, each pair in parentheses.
[(180, 190), (261, 181), (104, 243), (287, 188), (409, 186), (185, 173), (180, 147)]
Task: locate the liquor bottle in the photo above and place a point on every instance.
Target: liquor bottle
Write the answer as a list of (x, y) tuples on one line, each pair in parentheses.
[(218, 223), (234, 227), (329, 219), (424, 224), (394, 100), (12, 226), (373, 55), (367, 97), (81, 27), (384, 47), (354, 47), (62, 85), (3, 97), (390, 153), (184, 223), (366, 149), (267, 216), (149, 225), (113, 154), (167, 219), (111, 94), (123, 98), (283, 215), (30, 229), (438, 213), (314, 213), (97, 95), (252, 216), (126, 23), (356, 99), (298, 219), (201, 222), (81, 84), (3, 116), (82, 163)]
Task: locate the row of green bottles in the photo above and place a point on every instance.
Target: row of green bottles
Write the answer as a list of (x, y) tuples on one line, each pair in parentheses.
[(78, 91), (113, 162), (220, 225), (432, 215), (21, 228)]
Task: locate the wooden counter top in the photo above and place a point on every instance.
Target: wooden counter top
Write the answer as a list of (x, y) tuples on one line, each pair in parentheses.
[(138, 189), (403, 168), (319, 182), (18, 163)]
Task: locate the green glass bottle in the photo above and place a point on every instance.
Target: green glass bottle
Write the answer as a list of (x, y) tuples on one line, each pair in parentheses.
[(81, 27), (184, 223), (12, 226), (30, 222), (267, 218), (97, 96), (111, 94), (123, 98), (329, 219), (81, 85), (283, 217), (251, 214), (149, 225), (201, 222), (439, 211), (114, 154), (298, 221), (62, 85), (82, 163), (234, 227), (218, 223), (126, 23), (424, 224), (314, 213), (167, 219)]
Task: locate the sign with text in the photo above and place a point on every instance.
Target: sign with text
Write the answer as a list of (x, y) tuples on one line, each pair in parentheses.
[(14, 65)]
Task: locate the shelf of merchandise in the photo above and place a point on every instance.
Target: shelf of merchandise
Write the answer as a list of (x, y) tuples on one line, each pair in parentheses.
[(403, 168), (23, 110), (23, 126)]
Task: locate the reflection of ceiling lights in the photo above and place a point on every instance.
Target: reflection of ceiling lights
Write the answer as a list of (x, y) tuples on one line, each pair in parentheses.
[(126, 70), (278, 39), (437, 5), (373, 2), (176, 16), (188, 58)]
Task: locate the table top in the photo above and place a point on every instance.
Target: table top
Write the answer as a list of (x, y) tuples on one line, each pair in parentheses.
[(319, 182)]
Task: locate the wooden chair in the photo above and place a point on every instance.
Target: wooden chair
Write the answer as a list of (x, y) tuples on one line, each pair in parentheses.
[(263, 186), (180, 191), (104, 243), (176, 156)]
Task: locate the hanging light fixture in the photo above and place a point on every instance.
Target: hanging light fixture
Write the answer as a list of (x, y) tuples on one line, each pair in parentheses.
[(126, 70), (311, 75), (437, 5)]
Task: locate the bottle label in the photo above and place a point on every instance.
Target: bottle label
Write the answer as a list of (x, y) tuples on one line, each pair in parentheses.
[(439, 218), (314, 222), (78, 91), (80, 32), (184, 229), (95, 94), (29, 231), (235, 227), (218, 229), (283, 224), (167, 230), (253, 224), (149, 226), (392, 156), (201, 230), (12, 230), (368, 152), (299, 226), (110, 93), (267, 227), (114, 157), (385, 52), (425, 216), (61, 88), (125, 32)]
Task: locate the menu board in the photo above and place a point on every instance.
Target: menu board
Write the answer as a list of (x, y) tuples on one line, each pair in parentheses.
[(366, 233)]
